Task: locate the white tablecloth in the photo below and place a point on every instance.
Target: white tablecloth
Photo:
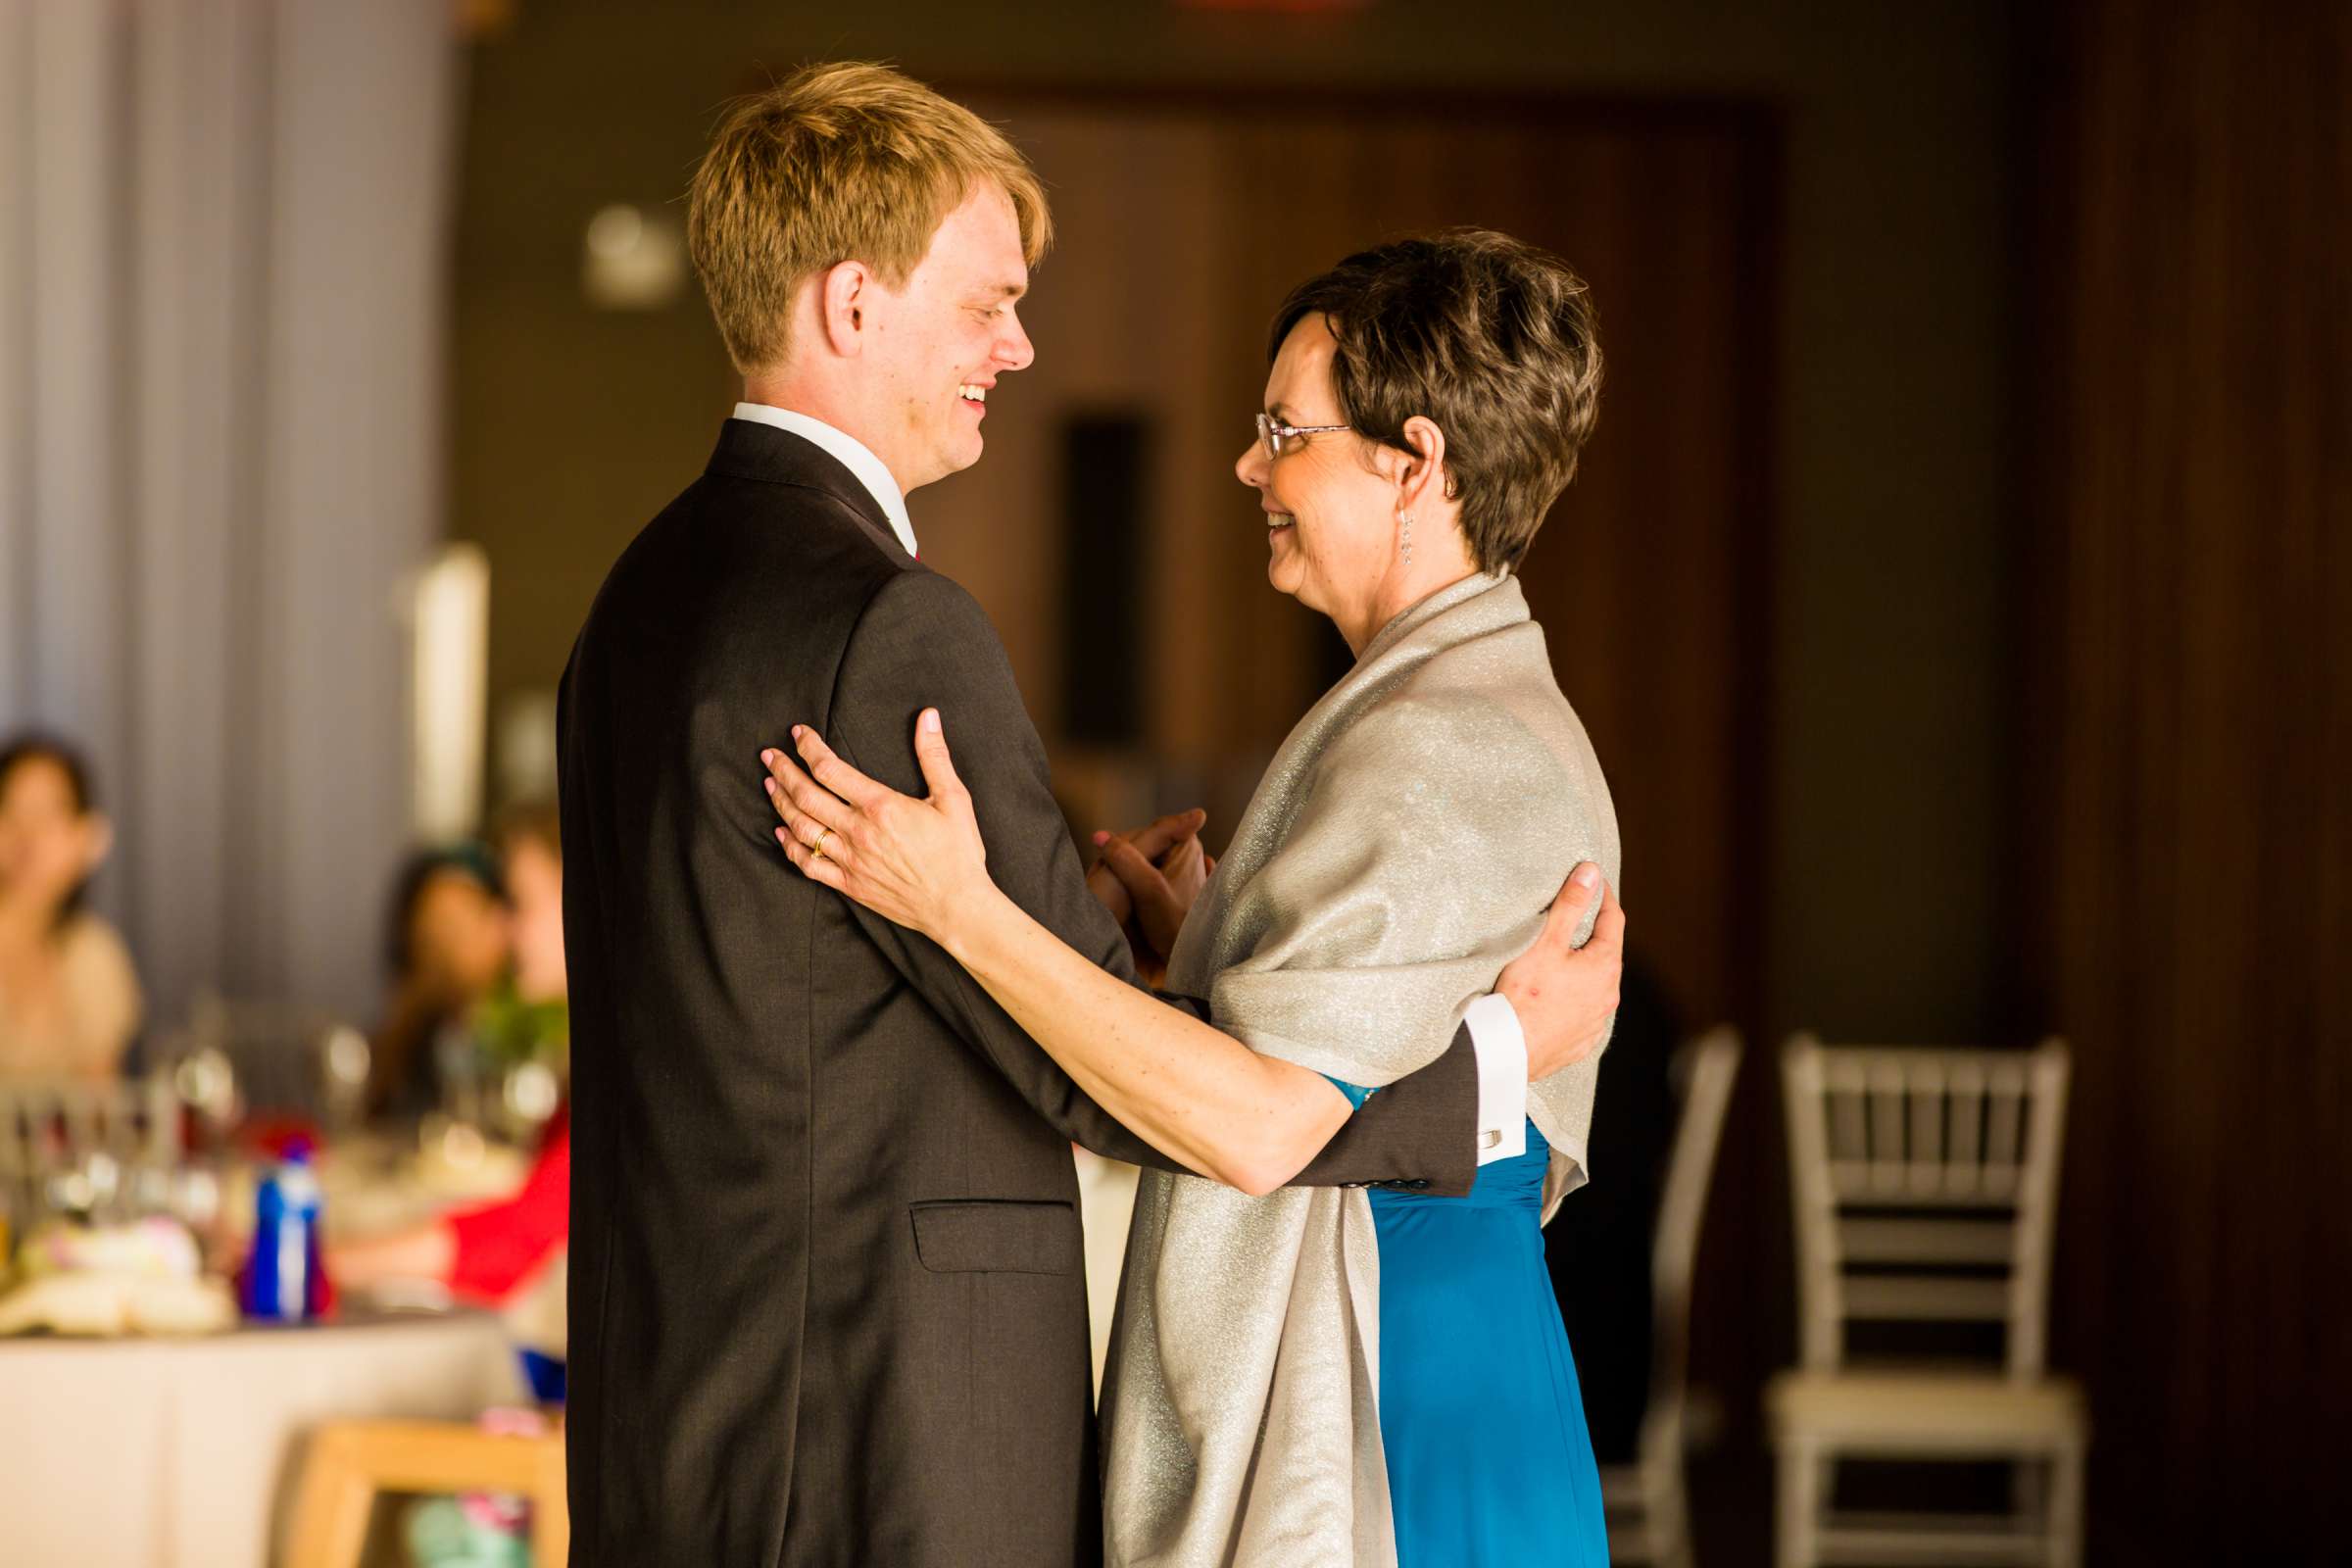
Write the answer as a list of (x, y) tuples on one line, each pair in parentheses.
[(152, 1453)]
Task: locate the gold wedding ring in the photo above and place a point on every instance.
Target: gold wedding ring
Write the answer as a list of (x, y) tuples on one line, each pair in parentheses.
[(816, 845)]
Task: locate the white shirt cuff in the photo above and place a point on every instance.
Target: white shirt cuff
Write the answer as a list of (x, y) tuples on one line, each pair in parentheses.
[(1501, 1050)]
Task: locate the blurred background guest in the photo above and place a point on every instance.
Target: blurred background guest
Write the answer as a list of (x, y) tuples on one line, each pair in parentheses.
[(485, 1254), (69, 997), (520, 1031), (530, 858), (488, 1252), (452, 936)]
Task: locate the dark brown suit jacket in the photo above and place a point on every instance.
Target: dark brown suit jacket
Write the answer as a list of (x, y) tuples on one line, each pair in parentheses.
[(827, 1301)]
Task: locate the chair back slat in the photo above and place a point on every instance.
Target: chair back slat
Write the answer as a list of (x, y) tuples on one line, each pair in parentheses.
[(1648, 1509), (1922, 1298), (1925, 1184), (1887, 1130), (1926, 1165), (1703, 1070), (2003, 1120), (1966, 1087), (2037, 1209), (1849, 1143), (1817, 1177), (1926, 1241)]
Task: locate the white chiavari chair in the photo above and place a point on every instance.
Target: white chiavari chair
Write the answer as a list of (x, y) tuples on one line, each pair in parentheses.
[(1926, 1188)]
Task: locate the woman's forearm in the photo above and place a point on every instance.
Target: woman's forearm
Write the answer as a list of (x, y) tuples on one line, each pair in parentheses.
[(427, 1252), (1195, 1094), (1200, 1097)]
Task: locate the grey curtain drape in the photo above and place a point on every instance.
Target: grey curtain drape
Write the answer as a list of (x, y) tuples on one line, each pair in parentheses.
[(222, 231)]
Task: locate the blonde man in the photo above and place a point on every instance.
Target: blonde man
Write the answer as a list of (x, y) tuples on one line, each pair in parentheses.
[(827, 1297)]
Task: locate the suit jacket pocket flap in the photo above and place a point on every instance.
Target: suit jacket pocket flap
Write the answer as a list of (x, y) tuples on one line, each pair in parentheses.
[(1001, 1235)]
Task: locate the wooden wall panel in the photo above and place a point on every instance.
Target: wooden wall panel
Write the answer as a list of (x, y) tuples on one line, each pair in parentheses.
[(2191, 794)]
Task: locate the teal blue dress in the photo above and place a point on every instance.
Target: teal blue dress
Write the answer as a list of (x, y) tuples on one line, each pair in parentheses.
[(1490, 1465)]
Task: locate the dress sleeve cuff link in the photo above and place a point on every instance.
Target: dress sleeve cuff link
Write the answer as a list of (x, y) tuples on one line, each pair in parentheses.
[(1501, 1050)]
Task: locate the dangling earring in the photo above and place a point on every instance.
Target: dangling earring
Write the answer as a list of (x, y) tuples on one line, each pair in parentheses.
[(1407, 518)]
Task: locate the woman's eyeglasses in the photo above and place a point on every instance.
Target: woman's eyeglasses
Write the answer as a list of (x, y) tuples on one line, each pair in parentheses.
[(1276, 437)]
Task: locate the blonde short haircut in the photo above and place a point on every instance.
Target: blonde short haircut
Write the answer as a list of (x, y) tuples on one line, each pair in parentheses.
[(837, 163)]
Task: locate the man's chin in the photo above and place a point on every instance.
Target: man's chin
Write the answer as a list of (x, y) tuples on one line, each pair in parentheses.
[(959, 458)]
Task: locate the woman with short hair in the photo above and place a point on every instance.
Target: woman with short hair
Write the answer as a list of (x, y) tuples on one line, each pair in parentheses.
[(1315, 1376)]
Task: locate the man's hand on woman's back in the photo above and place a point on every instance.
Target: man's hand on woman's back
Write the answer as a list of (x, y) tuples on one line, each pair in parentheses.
[(1566, 996)]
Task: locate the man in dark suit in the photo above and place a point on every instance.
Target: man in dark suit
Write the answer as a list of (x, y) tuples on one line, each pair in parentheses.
[(827, 1295)]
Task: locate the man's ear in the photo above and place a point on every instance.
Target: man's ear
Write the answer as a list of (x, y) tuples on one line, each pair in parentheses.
[(844, 294)]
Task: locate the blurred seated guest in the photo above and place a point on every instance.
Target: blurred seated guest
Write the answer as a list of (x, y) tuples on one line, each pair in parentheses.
[(530, 857), (487, 1252), (451, 936), (482, 1255), (526, 1017), (69, 999)]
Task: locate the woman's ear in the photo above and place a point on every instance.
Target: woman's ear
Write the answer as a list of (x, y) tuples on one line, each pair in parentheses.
[(97, 841), (1421, 482)]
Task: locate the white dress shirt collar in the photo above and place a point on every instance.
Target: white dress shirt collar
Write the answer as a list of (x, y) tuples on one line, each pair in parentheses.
[(851, 452)]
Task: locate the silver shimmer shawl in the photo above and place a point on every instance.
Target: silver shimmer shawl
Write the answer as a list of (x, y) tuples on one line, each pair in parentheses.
[(1399, 851)]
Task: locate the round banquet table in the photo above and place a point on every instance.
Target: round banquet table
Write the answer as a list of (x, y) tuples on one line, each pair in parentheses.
[(186, 1453)]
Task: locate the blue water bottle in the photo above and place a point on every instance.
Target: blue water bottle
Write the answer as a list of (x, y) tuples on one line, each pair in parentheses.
[(285, 1282)]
